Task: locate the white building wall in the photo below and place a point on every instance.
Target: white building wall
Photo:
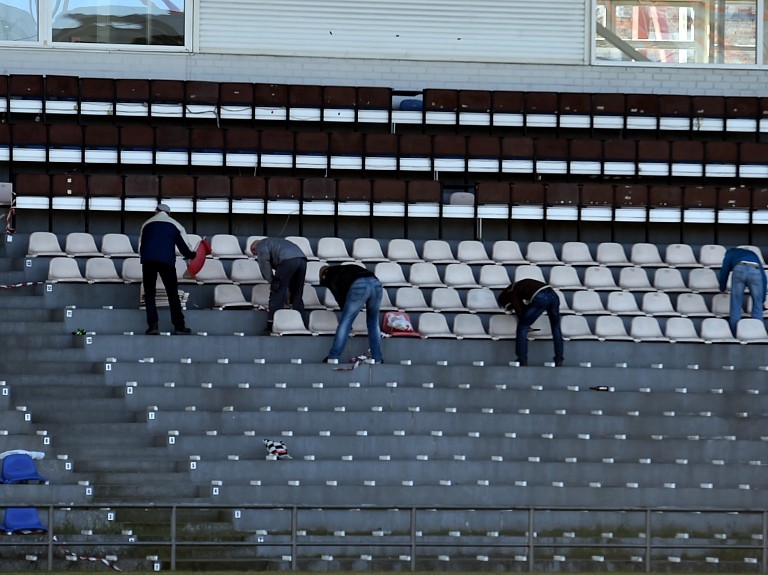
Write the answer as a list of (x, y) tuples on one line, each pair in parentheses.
[(399, 74)]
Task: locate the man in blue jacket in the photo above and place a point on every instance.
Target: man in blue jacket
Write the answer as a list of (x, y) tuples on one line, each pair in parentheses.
[(160, 234), (747, 273)]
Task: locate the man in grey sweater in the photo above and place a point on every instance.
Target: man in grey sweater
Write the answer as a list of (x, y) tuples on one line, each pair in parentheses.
[(290, 267)]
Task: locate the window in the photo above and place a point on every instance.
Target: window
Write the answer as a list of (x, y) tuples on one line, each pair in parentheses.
[(18, 20), (135, 22), (685, 31)]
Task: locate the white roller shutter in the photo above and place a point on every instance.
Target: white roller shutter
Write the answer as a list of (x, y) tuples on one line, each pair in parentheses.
[(525, 31)]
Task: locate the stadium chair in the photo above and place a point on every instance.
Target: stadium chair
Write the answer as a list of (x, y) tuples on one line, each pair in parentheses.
[(246, 272), (230, 296), (564, 309), (493, 276), (576, 254), (310, 299), (680, 256), (225, 246), (502, 327), (681, 330), (711, 255), (132, 271), (438, 252), (43, 244), (467, 326), (460, 276), (634, 279), (646, 329), (411, 299), (721, 304), (386, 304), (622, 303), (599, 278), (367, 250), (288, 322), (703, 281), (482, 300), (22, 520), (313, 272), (390, 274), (692, 305), (398, 324), (434, 325), (359, 325), (472, 252), (212, 273), (403, 251), (657, 304), (507, 252), (541, 328), (117, 246), (528, 271), (20, 468), (329, 301), (542, 254), (565, 278), (424, 275), (260, 295), (101, 270), (446, 300), (303, 243), (252, 239), (757, 251), (323, 322), (79, 244), (716, 330), (669, 280), (193, 241), (646, 255), (588, 302), (333, 250), (750, 330), (64, 270), (575, 327), (611, 327), (611, 254)]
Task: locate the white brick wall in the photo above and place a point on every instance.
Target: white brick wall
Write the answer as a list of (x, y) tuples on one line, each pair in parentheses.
[(397, 74)]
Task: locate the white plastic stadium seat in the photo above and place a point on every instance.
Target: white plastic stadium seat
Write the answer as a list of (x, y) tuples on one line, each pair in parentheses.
[(132, 271), (482, 300), (751, 331), (611, 327), (576, 254), (434, 325), (260, 295), (81, 245), (588, 303), (622, 303), (310, 299), (611, 254), (468, 326), (333, 250), (438, 252), (390, 274), (460, 276), (716, 330), (646, 255), (228, 296), (304, 246), (507, 252), (249, 243), (44, 244), (323, 322), (564, 309), (446, 300), (575, 327), (64, 270), (634, 279), (493, 276), (658, 304), (721, 304), (329, 301), (681, 330), (757, 251), (646, 329), (425, 275), (502, 326), (288, 322), (101, 270), (117, 246), (212, 273), (313, 272), (703, 280), (472, 252), (386, 304), (411, 299), (226, 246), (542, 254), (681, 256), (367, 250), (711, 255), (192, 241), (599, 278), (670, 280), (565, 278), (528, 271), (246, 272), (403, 251), (541, 329), (359, 325), (692, 305)]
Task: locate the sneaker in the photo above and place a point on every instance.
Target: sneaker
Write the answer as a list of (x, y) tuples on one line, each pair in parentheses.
[(522, 363), (152, 329), (182, 331), (330, 360), (558, 364)]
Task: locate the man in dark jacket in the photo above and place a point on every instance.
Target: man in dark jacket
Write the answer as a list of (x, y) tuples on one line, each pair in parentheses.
[(160, 234), (290, 265), (748, 273), (353, 287), (529, 299)]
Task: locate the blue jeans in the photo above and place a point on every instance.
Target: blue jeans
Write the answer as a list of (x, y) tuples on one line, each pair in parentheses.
[(742, 277), (362, 292), (548, 301)]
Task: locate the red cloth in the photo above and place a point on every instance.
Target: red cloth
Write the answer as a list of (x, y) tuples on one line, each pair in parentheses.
[(197, 263)]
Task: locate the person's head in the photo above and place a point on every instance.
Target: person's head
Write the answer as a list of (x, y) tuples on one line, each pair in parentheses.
[(323, 272), (254, 245), (162, 208)]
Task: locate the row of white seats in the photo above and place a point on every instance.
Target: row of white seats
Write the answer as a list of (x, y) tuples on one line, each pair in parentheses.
[(469, 326), (226, 246)]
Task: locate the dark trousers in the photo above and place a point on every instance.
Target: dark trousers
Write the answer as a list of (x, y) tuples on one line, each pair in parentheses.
[(289, 275), (167, 273), (548, 301)]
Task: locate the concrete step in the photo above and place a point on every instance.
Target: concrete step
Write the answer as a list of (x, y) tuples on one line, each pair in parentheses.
[(69, 392), (160, 493), (23, 298), (40, 495), (19, 292), (34, 342), (52, 415), (43, 355), (111, 429), (44, 364), (27, 380), (8, 314), (96, 465), (135, 478), (29, 328), (98, 455), (12, 277)]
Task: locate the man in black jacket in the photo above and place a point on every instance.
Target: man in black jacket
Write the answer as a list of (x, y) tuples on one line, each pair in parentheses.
[(354, 287), (529, 299), (159, 235)]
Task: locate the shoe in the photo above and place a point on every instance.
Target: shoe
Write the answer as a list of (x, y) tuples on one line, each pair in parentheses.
[(330, 360), (152, 329), (558, 364), (182, 331), (522, 363)]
